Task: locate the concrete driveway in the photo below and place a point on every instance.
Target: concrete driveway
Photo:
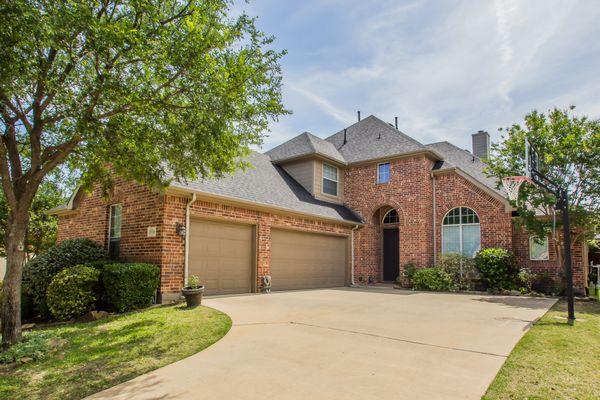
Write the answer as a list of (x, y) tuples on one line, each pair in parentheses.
[(348, 344)]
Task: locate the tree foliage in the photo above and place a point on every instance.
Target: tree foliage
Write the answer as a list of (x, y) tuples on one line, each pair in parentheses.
[(157, 89), (569, 150)]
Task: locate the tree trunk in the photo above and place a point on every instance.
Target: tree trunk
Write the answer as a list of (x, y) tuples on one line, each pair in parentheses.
[(11, 290)]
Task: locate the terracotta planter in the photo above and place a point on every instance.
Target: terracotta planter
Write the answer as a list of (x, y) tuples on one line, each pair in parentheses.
[(193, 297)]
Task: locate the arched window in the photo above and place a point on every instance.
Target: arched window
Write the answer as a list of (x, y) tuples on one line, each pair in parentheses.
[(391, 217), (461, 232)]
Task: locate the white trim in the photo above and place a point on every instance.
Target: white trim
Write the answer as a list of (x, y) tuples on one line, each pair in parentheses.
[(385, 215), (337, 180), (532, 239), (389, 172), (187, 239)]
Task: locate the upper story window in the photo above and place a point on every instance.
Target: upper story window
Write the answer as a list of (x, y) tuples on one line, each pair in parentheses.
[(330, 179), (461, 232), (538, 248), (383, 173), (114, 230)]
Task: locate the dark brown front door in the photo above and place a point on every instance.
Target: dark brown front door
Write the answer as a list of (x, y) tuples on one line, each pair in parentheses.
[(391, 254)]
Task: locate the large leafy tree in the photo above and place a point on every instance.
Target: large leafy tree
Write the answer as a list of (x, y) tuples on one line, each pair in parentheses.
[(153, 88), (569, 149)]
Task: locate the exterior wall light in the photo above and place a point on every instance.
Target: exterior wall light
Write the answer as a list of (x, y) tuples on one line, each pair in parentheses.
[(180, 229)]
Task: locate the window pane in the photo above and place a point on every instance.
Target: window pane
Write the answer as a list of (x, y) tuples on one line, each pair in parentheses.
[(471, 238), (329, 187), (115, 221), (330, 172), (538, 248), (450, 239), (391, 217), (383, 175)]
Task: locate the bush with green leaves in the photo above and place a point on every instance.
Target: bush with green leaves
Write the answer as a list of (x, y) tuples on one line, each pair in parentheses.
[(462, 270), (35, 345), (72, 292), (432, 279), (406, 273), (498, 267), (525, 280), (130, 285), (38, 273)]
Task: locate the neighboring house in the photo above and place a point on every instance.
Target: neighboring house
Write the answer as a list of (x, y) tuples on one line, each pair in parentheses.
[(353, 208)]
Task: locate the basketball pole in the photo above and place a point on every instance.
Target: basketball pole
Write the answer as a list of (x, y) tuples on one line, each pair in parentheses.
[(563, 204)]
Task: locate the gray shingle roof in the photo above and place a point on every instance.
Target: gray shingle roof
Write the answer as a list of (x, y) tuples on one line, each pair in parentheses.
[(303, 145), (455, 157), (372, 138), (269, 185)]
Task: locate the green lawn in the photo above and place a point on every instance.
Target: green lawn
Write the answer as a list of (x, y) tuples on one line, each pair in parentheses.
[(554, 360), (93, 356)]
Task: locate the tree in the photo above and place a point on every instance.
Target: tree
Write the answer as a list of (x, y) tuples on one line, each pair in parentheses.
[(42, 228), (569, 148), (155, 89)]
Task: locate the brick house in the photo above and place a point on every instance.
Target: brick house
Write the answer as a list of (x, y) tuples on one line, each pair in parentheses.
[(350, 209)]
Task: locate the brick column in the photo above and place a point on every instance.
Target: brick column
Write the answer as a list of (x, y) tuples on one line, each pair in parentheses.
[(263, 257)]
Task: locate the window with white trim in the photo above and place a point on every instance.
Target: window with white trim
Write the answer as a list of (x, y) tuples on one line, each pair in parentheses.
[(383, 173), (391, 217), (114, 230), (538, 248), (330, 179), (461, 232)]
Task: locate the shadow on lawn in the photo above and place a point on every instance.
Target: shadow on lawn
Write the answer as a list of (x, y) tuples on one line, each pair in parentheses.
[(532, 303)]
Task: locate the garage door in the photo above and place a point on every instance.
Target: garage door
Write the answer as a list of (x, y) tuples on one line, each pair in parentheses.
[(221, 255), (301, 260)]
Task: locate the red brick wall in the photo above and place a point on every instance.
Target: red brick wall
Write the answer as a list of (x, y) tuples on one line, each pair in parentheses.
[(141, 208), (551, 266), (409, 192), (452, 190)]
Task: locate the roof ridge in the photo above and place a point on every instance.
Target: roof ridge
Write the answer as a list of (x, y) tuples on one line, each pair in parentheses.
[(310, 141)]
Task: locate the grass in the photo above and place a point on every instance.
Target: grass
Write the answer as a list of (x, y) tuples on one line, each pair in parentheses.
[(89, 357), (554, 360)]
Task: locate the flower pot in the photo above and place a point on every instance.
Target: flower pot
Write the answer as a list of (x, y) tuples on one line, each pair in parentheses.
[(193, 297)]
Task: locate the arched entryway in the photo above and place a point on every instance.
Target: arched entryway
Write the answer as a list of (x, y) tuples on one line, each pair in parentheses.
[(390, 232)]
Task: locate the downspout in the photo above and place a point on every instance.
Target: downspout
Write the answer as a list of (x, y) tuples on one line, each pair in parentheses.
[(187, 236), (352, 284), (434, 221)]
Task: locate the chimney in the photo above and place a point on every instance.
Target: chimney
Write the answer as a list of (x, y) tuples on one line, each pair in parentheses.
[(396, 122), (358, 112), (481, 145), (345, 140)]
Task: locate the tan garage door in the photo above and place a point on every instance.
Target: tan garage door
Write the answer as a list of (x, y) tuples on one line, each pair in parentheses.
[(301, 260), (221, 255)]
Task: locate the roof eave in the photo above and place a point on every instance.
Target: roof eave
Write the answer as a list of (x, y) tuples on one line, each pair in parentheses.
[(175, 189)]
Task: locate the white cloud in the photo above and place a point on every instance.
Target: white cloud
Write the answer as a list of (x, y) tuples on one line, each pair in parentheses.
[(446, 69)]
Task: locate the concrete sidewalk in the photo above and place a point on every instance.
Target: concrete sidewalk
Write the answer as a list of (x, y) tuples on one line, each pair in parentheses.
[(348, 344)]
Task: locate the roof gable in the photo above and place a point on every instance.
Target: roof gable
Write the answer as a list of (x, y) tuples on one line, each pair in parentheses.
[(305, 144)]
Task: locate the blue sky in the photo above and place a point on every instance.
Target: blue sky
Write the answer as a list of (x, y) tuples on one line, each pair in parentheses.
[(445, 68)]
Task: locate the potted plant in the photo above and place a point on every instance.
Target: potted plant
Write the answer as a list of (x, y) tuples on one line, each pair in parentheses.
[(193, 291)]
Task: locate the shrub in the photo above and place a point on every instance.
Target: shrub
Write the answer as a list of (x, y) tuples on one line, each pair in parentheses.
[(525, 281), (462, 270), (130, 285), (72, 292), (432, 279), (38, 273), (407, 272), (498, 267), (35, 345)]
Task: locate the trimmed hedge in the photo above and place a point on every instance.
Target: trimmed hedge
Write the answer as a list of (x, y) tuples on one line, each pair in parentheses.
[(498, 267), (38, 273), (130, 285), (432, 279), (72, 292)]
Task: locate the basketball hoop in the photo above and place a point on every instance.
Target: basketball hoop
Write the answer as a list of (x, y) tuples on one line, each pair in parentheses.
[(512, 184)]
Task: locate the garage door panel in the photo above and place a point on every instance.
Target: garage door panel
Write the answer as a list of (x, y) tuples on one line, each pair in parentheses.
[(221, 255), (301, 260)]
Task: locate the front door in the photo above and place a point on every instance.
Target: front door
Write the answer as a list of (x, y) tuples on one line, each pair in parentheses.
[(391, 254)]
